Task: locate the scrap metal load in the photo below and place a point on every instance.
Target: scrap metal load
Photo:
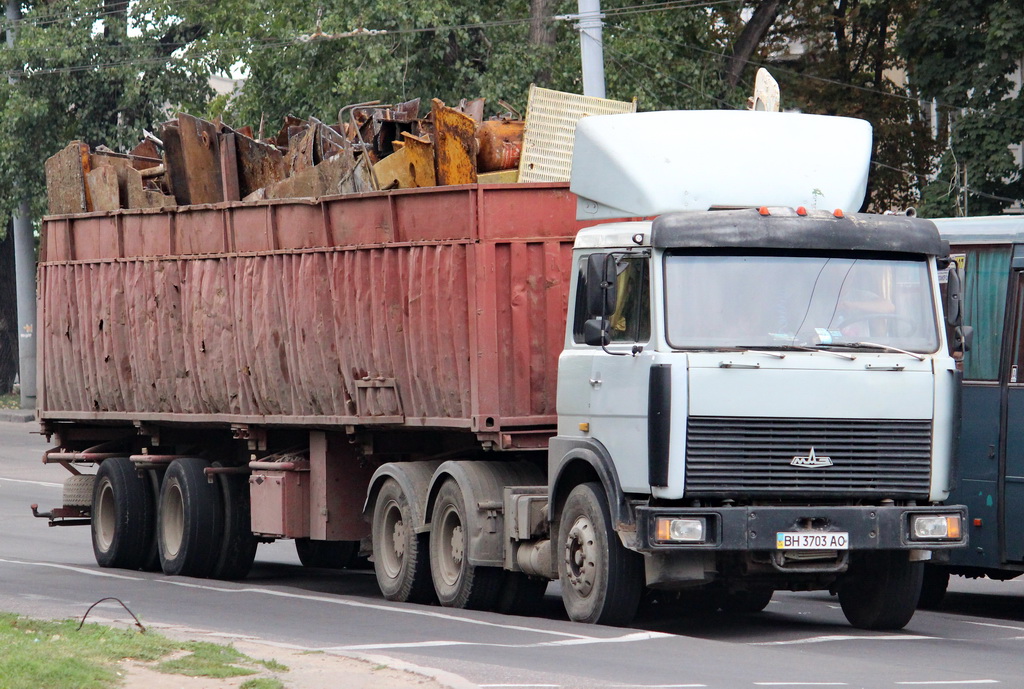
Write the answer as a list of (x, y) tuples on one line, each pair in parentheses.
[(375, 148)]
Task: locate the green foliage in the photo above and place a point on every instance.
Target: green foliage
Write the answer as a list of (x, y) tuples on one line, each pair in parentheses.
[(207, 660), (53, 655), (962, 54), (80, 75), (262, 683), (849, 67)]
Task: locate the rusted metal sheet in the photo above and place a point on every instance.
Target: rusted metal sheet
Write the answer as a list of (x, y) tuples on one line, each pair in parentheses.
[(259, 165), (65, 179), (455, 145), (101, 185), (199, 161), (425, 308), (410, 166)]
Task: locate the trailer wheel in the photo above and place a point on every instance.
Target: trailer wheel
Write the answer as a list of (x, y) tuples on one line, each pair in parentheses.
[(458, 584), (191, 520), (400, 558), (326, 554), (601, 580), (238, 544), (933, 587), (747, 602), (122, 515), (881, 590)]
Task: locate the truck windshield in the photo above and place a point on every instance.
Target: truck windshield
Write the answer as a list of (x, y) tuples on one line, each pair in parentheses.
[(771, 301)]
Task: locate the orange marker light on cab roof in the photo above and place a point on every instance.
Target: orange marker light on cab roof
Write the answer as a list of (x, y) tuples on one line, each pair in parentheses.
[(763, 210), (801, 211), (838, 212)]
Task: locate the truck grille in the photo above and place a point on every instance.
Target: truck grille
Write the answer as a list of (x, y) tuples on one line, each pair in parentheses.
[(729, 457)]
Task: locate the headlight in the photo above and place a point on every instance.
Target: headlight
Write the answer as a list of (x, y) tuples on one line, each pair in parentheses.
[(931, 526), (679, 530)]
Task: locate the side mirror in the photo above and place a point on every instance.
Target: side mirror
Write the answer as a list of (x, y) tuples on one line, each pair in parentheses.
[(954, 296), (600, 285), (595, 332), (963, 337)]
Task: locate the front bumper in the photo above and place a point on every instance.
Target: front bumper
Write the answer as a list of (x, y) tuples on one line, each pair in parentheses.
[(755, 528)]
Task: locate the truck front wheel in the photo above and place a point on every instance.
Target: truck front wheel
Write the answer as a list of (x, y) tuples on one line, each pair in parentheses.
[(458, 584), (191, 520), (601, 580), (399, 553), (881, 589), (123, 517)]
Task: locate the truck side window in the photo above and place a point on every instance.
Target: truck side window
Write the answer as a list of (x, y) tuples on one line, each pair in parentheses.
[(987, 272), (630, 321)]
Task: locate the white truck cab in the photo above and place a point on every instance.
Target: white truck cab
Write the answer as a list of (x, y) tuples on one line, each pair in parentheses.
[(765, 394)]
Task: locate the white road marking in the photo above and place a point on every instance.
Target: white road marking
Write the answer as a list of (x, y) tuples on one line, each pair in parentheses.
[(582, 641), (80, 570), (46, 484), (998, 626), (801, 684), (520, 685), (841, 637), (950, 682)]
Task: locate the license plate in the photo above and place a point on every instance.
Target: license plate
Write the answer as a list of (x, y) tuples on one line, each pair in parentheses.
[(811, 540)]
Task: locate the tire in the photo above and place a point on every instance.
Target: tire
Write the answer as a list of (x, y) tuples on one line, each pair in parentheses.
[(881, 590), (238, 543), (933, 587), (78, 490), (457, 583), (521, 594), (191, 520), (400, 558), (154, 478), (747, 602), (326, 554), (601, 580), (123, 515)]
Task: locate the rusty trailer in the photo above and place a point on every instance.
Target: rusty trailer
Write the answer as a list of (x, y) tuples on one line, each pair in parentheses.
[(439, 308)]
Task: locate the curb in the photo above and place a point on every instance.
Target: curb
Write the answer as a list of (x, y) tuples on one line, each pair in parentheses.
[(17, 415)]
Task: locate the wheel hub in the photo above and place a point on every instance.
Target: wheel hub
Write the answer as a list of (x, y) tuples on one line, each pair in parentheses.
[(398, 539), (581, 556)]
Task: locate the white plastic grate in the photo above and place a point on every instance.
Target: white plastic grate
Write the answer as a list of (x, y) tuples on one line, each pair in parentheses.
[(550, 131)]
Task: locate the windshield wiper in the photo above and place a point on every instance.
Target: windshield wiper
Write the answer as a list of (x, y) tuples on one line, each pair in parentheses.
[(871, 345)]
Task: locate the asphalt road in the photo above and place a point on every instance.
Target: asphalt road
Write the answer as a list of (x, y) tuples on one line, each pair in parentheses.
[(801, 640)]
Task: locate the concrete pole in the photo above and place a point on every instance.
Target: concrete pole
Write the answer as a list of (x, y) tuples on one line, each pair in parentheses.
[(591, 47), (24, 266)]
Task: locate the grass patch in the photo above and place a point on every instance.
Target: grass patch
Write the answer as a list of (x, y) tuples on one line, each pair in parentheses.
[(10, 401), (41, 654), (262, 683), (208, 660)]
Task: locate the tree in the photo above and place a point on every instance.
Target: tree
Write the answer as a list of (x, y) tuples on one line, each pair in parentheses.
[(846, 64), (80, 74), (8, 315), (962, 54)]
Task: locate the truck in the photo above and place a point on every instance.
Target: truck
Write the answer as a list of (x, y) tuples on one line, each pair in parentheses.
[(990, 456), (688, 371)]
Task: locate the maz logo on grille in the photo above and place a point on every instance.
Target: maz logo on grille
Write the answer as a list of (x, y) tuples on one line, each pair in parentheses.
[(811, 460)]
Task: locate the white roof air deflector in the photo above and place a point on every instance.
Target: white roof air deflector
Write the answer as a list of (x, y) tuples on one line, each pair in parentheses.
[(646, 164)]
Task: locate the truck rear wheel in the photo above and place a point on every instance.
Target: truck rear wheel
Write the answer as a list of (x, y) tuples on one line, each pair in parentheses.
[(191, 520), (123, 516), (238, 544), (881, 590), (400, 558), (601, 580), (326, 554), (458, 584)]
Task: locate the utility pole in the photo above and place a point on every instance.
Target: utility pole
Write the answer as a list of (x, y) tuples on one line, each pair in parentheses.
[(24, 265), (591, 47)]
